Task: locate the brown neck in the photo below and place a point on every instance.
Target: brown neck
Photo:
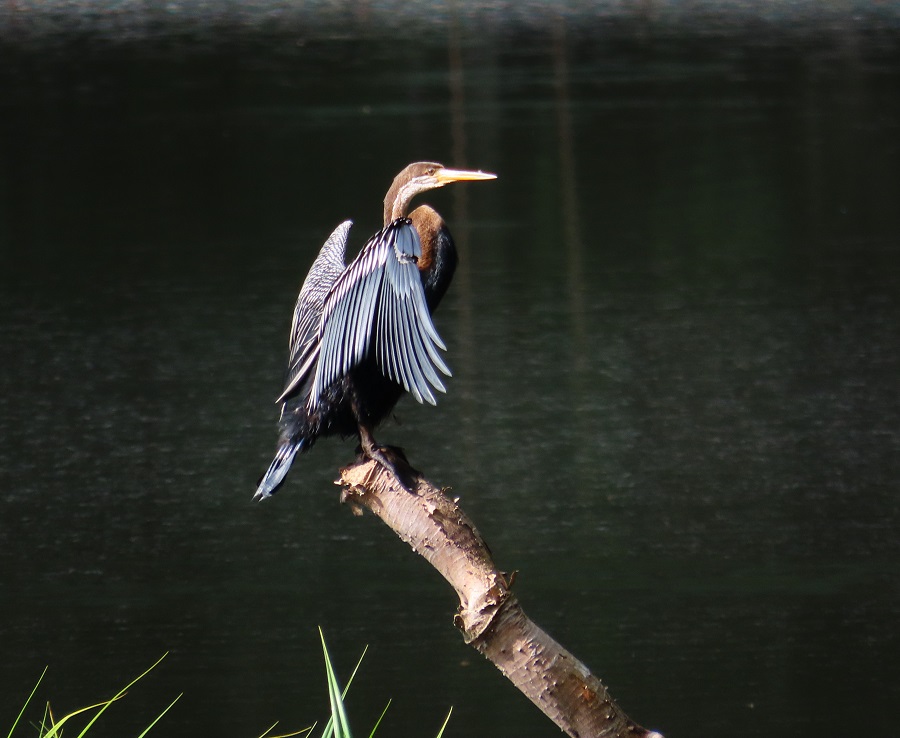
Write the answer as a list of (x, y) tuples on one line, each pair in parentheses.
[(427, 223)]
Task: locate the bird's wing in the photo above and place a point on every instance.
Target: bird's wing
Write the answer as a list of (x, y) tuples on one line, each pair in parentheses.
[(303, 344), (378, 305)]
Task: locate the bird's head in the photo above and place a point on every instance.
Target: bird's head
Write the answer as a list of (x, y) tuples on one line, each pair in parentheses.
[(419, 177)]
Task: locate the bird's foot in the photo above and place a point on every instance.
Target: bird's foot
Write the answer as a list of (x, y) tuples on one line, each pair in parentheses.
[(394, 460)]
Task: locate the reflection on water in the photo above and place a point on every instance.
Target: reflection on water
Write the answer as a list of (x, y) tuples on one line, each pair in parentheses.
[(673, 333)]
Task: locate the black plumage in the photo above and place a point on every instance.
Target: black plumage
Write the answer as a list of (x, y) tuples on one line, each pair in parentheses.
[(362, 333)]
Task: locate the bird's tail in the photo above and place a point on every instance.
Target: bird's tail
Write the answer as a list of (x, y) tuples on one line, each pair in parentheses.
[(278, 469)]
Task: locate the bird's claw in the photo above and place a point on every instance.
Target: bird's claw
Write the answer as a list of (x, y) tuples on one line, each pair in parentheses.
[(394, 461)]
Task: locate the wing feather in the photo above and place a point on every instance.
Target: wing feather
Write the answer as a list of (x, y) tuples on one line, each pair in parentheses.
[(377, 307), (303, 340)]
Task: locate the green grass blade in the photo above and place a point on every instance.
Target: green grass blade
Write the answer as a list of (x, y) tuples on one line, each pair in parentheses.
[(380, 718), (269, 730), (101, 707), (328, 725), (355, 669), (286, 735), (56, 729), (121, 693), (158, 717), (347, 685), (446, 720), (27, 700), (42, 728), (340, 725)]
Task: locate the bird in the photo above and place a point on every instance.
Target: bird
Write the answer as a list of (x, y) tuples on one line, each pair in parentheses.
[(362, 332)]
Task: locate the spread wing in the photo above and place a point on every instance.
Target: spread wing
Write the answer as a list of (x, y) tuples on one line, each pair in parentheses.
[(303, 345), (378, 305)]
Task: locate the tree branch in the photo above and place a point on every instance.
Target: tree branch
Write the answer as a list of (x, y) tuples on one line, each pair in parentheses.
[(489, 615)]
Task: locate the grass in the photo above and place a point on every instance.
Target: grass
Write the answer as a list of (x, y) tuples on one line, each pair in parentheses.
[(50, 728), (338, 725)]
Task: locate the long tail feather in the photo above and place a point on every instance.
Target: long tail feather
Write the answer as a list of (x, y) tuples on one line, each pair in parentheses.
[(278, 469)]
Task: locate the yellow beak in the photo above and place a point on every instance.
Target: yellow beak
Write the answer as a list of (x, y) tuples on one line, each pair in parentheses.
[(446, 176)]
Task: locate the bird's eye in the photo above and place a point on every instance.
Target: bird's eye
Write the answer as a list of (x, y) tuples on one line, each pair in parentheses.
[(431, 171)]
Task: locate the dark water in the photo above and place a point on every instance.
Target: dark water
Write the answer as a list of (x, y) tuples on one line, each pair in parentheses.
[(675, 406)]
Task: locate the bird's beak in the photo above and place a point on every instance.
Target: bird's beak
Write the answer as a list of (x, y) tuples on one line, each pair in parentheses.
[(446, 176)]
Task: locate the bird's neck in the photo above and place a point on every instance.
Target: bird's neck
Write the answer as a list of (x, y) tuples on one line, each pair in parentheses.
[(438, 260), (427, 223), (397, 199)]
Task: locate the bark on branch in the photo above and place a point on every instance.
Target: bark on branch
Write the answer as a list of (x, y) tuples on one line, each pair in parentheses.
[(489, 615)]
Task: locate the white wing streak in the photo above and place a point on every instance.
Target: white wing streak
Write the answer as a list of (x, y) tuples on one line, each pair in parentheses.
[(303, 342), (376, 306)]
